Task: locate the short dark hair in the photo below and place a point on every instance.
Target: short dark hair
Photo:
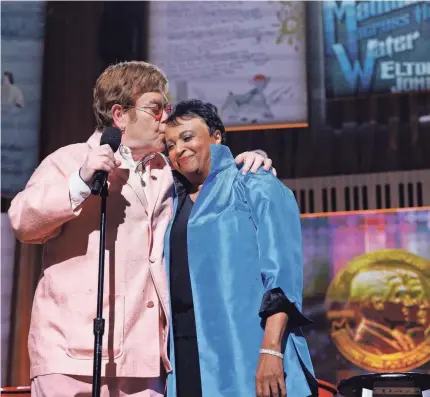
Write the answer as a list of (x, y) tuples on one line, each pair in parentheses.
[(195, 108)]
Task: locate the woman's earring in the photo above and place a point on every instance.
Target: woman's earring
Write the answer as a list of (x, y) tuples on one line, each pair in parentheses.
[(122, 129)]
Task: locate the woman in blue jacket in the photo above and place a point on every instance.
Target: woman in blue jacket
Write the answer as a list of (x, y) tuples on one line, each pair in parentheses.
[(233, 256)]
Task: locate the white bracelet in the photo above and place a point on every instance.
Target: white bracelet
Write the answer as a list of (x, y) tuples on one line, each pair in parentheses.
[(272, 353)]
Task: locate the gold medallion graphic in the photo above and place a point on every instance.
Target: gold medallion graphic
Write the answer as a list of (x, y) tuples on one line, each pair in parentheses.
[(378, 306)]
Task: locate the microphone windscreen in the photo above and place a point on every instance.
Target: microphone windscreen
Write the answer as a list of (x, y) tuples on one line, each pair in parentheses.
[(111, 136)]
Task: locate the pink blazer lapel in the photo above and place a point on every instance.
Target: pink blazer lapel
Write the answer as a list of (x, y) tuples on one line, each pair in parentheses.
[(157, 169)]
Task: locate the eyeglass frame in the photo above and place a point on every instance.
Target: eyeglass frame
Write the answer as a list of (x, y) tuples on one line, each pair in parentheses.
[(166, 108)]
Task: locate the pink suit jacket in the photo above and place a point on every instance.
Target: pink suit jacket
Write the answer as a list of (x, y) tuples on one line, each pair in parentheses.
[(135, 290)]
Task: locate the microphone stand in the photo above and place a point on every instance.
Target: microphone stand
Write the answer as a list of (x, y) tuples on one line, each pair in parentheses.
[(99, 322)]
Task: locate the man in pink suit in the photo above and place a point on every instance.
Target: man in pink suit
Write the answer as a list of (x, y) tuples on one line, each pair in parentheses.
[(56, 209)]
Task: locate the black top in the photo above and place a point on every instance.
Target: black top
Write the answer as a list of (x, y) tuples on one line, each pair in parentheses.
[(180, 283), (187, 368), (184, 324)]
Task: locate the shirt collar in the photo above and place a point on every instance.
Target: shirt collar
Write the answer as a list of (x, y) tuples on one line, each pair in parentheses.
[(125, 153)]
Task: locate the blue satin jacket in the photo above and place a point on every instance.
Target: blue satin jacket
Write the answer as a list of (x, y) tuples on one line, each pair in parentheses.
[(244, 251)]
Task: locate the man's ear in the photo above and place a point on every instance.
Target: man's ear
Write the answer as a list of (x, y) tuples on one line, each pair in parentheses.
[(118, 116)]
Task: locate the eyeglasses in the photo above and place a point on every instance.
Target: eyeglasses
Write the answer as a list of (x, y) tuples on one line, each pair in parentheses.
[(157, 111)]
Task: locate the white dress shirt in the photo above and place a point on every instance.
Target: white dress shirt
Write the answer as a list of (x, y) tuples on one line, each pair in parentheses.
[(80, 191)]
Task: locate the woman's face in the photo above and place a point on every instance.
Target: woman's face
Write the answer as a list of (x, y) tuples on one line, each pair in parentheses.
[(188, 144)]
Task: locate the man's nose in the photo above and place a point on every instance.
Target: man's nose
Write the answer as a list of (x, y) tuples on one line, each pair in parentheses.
[(164, 116), (162, 127)]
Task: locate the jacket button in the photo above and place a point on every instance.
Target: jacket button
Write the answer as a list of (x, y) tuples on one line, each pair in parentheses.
[(150, 304), (151, 259)]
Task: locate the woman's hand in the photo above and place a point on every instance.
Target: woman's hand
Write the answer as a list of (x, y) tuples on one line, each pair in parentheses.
[(269, 380)]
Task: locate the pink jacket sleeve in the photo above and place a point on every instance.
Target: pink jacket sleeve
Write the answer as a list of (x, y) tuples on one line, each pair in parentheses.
[(38, 212)]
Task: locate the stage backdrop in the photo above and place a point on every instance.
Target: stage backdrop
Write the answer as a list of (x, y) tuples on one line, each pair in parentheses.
[(22, 33), (376, 46), (246, 57), (367, 287)]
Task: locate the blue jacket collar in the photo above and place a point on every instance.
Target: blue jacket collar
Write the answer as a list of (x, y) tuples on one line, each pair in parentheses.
[(221, 158)]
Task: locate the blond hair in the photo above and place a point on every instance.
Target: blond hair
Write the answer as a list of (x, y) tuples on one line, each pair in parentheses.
[(123, 84)]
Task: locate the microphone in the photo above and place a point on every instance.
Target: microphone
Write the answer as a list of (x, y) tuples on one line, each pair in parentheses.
[(112, 137)]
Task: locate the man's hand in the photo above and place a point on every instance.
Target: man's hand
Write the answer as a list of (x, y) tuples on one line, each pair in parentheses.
[(269, 380), (253, 161), (99, 159)]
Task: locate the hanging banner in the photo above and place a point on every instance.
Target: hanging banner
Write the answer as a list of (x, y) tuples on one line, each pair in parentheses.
[(246, 57), (376, 46), (22, 33)]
